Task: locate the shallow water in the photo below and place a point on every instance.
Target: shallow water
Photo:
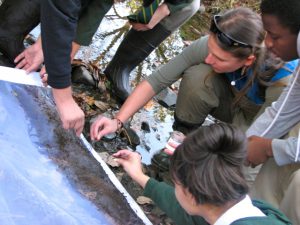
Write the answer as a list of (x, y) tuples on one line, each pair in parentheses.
[(159, 119)]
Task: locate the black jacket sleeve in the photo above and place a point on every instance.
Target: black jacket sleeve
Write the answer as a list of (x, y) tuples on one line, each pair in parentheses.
[(58, 27)]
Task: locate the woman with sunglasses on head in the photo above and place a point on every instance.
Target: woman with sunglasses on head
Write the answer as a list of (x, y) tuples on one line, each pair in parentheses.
[(226, 74), (209, 184)]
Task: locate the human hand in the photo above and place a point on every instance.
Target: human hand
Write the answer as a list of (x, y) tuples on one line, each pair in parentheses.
[(30, 59), (140, 26), (131, 163), (44, 76), (71, 115), (259, 150), (102, 126), (159, 14)]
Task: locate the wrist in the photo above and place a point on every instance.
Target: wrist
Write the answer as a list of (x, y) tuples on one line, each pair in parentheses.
[(120, 124), (141, 179), (62, 96), (268, 147)]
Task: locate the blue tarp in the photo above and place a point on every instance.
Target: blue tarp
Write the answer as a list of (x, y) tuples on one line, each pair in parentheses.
[(46, 174)]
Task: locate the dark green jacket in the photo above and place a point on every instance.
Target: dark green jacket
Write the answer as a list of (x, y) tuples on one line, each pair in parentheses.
[(164, 197)]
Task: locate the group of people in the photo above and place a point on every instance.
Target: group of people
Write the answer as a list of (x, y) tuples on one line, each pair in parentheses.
[(245, 72)]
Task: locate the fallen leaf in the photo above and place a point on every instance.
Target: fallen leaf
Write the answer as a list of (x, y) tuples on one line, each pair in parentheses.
[(104, 156), (142, 200), (112, 161), (101, 105)]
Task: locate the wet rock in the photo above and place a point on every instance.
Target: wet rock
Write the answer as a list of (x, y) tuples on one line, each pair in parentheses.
[(131, 136), (147, 148), (154, 128), (142, 200), (145, 127), (81, 75), (157, 136), (167, 98)]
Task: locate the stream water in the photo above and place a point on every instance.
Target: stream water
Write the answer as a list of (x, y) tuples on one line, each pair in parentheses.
[(157, 117), (104, 44)]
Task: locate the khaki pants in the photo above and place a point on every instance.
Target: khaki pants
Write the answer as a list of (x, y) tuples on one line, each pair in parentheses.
[(279, 186), (200, 96)]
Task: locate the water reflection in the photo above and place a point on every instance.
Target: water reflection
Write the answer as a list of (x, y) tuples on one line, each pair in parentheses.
[(105, 42)]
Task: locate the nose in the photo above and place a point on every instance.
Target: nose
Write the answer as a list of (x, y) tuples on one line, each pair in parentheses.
[(268, 41), (209, 59)]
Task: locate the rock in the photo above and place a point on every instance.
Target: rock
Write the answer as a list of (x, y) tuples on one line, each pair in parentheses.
[(145, 126), (167, 98), (142, 200), (81, 75)]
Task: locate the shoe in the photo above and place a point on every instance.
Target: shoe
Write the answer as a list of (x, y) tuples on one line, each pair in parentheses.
[(134, 48)]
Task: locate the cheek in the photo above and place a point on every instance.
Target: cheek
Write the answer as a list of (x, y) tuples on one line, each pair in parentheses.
[(222, 67)]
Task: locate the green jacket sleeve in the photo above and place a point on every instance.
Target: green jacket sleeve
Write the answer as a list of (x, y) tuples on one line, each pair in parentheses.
[(90, 19), (164, 197), (172, 71)]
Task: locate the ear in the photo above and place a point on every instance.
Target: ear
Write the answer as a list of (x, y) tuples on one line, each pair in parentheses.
[(250, 60)]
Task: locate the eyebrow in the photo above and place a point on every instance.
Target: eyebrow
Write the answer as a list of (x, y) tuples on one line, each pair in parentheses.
[(209, 49)]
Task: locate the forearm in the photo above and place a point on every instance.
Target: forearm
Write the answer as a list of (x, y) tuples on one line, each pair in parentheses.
[(61, 96), (161, 12), (141, 179), (138, 98), (169, 73)]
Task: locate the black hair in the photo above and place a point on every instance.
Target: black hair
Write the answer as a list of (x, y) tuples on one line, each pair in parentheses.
[(287, 12)]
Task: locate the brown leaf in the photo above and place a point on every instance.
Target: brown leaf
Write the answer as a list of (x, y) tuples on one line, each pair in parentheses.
[(142, 200)]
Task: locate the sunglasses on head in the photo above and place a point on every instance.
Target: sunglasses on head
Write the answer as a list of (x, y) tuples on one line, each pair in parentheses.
[(225, 38)]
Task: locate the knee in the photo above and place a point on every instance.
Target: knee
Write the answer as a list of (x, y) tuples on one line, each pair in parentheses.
[(192, 8)]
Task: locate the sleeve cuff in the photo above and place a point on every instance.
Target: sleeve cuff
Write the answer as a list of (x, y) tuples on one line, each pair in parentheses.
[(149, 186), (283, 150)]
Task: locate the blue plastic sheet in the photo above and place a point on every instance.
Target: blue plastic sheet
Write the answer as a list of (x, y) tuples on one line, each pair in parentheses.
[(46, 174)]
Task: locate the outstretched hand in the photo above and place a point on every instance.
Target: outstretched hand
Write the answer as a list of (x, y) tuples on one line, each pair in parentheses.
[(131, 163), (31, 58), (141, 26), (103, 126)]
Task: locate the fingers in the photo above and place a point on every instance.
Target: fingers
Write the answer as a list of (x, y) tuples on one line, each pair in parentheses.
[(21, 63), (19, 57), (44, 76), (96, 126), (78, 128), (102, 126), (122, 154), (30, 68), (43, 70)]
